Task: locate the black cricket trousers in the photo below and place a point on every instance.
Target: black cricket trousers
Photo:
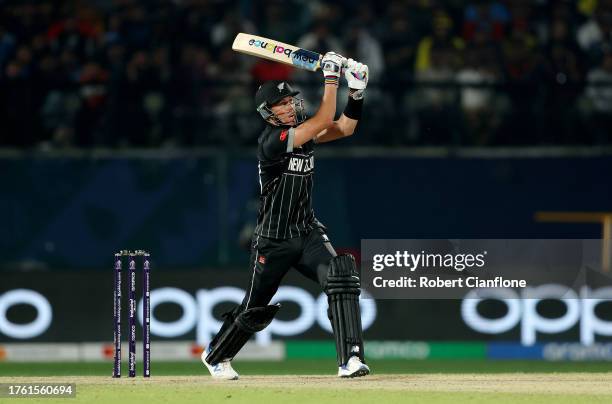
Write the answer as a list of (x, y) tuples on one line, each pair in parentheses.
[(271, 259)]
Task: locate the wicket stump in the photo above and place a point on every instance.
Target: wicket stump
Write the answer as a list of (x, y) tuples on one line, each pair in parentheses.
[(146, 312)]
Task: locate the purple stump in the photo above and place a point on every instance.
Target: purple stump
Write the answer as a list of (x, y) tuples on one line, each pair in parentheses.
[(117, 317), (146, 317), (132, 316)]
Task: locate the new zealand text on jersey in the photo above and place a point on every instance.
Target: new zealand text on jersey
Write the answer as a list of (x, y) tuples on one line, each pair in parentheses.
[(301, 164)]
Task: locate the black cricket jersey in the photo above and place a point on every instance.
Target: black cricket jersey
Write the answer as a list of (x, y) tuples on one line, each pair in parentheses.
[(286, 181)]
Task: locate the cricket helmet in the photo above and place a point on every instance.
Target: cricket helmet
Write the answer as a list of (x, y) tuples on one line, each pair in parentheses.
[(272, 92)]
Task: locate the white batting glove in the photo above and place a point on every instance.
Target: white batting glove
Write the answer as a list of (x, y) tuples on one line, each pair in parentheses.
[(357, 75), (332, 64)]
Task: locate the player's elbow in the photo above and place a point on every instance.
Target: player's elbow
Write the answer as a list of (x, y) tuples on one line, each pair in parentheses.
[(325, 124), (328, 121), (347, 126), (346, 130)]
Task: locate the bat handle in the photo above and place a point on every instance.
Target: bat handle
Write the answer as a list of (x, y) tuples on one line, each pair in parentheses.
[(318, 66)]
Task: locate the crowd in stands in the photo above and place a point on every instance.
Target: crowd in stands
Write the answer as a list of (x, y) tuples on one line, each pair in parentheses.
[(161, 73)]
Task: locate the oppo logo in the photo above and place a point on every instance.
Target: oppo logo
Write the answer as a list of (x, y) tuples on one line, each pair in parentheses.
[(33, 329), (522, 311), (198, 312)]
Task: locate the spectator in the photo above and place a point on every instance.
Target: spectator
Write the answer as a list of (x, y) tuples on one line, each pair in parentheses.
[(442, 36), (92, 92), (71, 35), (113, 34), (223, 32), (131, 126), (137, 27), (563, 72), (524, 71), (361, 45), (19, 104), (599, 94), (400, 48), (485, 18), (435, 109), (137, 73), (478, 102), (233, 101), (277, 23), (195, 20), (190, 94), (7, 46), (321, 38), (596, 32)]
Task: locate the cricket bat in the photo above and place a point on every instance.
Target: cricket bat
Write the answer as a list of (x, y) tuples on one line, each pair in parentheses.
[(277, 51)]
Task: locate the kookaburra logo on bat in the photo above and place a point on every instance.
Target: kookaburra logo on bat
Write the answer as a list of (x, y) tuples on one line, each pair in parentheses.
[(301, 164)]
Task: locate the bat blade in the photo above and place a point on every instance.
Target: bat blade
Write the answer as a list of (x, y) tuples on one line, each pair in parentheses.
[(277, 51)]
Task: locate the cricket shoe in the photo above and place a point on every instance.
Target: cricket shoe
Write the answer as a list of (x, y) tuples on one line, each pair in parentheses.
[(222, 370), (353, 368)]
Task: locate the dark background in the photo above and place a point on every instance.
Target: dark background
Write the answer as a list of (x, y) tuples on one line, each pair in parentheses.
[(130, 124)]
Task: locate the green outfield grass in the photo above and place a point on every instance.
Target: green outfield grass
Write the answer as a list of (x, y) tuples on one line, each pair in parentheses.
[(158, 394), (312, 367), (313, 381)]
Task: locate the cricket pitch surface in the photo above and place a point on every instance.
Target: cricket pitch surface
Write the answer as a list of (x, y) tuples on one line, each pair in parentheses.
[(422, 388)]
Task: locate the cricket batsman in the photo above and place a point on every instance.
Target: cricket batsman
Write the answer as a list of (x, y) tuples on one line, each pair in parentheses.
[(287, 234)]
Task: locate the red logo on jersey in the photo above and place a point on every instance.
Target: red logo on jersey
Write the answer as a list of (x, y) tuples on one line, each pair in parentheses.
[(262, 259), (283, 135)]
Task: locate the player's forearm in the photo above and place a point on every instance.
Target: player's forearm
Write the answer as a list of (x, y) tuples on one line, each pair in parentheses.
[(347, 125), (321, 120), (331, 66), (339, 129), (327, 110)]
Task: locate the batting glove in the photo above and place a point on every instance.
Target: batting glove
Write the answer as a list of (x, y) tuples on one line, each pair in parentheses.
[(331, 65), (357, 75)]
